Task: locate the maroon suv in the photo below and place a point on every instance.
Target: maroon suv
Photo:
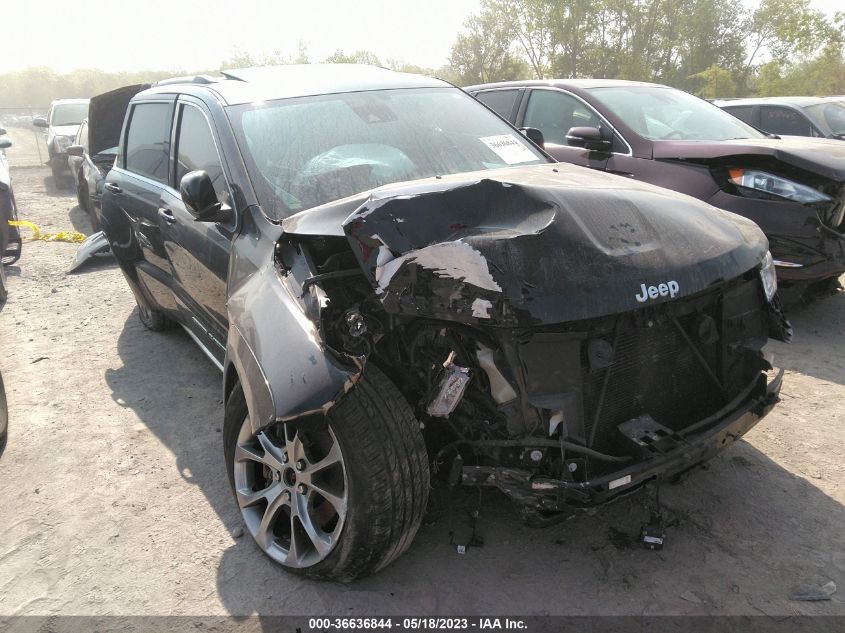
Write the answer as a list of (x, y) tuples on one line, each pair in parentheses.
[(794, 188)]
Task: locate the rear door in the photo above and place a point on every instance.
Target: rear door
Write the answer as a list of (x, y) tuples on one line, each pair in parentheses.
[(198, 251), (136, 184), (786, 121)]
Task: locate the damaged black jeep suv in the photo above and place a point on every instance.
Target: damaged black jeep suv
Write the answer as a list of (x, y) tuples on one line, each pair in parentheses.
[(399, 287)]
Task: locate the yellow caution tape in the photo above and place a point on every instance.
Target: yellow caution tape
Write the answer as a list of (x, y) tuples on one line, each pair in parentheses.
[(61, 236)]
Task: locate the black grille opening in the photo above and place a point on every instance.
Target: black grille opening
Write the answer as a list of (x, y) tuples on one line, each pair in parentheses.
[(680, 364), (655, 372)]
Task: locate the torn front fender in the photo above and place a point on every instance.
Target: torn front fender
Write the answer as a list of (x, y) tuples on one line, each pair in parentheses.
[(105, 117), (284, 366)]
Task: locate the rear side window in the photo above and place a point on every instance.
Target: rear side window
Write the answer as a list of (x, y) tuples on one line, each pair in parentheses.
[(500, 101), (148, 140), (787, 121), (743, 113), (195, 150)]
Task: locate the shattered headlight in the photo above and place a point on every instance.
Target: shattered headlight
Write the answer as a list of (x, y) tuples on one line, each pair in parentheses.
[(774, 185), (61, 143), (768, 276)]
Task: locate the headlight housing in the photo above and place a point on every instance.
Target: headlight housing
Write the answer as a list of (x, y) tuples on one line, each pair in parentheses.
[(768, 276), (61, 143), (762, 181)]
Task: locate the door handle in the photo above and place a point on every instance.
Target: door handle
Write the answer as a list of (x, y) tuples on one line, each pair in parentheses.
[(110, 186), (166, 215)]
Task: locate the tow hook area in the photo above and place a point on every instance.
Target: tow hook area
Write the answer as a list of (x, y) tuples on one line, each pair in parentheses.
[(653, 533)]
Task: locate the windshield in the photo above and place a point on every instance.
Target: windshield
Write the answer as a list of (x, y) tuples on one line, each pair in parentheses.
[(668, 114), (833, 114), (68, 114), (308, 151)]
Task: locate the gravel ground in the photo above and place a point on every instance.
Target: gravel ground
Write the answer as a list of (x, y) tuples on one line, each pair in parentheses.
[(114, 500)]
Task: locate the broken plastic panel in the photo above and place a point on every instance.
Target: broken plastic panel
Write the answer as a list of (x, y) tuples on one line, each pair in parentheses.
[(452, 386), (648, 436)]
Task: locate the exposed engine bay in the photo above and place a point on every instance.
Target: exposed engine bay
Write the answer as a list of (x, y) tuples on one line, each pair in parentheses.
[(552, 413), (566, 403)]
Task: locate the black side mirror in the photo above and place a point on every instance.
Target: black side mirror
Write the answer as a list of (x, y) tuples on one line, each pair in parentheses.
[(5, 143), (40, 121), (75, 150), (200, 198), (534, 135), (2, 131), (590, 138)]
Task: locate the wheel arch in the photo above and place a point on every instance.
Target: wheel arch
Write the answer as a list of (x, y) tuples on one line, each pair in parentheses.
[(284, 373), (230, 379)]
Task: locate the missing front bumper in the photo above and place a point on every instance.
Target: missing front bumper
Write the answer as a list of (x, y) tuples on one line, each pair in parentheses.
[(533, 493)]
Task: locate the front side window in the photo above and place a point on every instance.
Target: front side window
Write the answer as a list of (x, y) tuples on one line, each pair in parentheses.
[(148, 140), (68, 114), (555, 113), (833, 115), (499, 101), (195, 150), (307, 151), (659, 113), (786, 121)]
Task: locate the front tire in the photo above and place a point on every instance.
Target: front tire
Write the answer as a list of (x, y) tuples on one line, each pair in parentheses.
[(338, 498), (59, 177), (82, 193)]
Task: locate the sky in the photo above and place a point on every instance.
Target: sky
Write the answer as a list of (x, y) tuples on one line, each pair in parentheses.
[(187, 35), (192, 34)]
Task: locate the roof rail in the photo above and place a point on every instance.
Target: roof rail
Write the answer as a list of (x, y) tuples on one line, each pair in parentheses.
[(195, 79)]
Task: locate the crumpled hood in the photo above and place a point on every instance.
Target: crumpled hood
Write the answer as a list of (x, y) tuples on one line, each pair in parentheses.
[(538, 245), (825, 157), (105, 117)]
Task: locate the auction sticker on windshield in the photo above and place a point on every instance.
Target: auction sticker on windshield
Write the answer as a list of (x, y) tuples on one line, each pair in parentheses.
[(509, 149)]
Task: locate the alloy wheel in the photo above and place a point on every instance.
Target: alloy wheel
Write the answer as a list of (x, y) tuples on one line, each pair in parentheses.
[(291, 486)]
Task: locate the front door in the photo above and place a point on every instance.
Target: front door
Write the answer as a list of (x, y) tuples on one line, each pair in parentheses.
[(554, 112), (198, 251)]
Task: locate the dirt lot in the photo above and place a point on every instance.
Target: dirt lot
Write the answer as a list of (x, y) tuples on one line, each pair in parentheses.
[(28, 146), (113, 497)]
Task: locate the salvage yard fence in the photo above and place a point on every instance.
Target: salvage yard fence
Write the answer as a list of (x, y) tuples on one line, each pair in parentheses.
[(29, 148)]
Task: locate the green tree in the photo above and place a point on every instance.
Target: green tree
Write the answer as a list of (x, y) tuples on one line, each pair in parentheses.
[(577, 26), (707, 46), (716, 82), (485, 52), (706, 33), (358, 57), (403, 67), (784, 28), (770, 80), (239, 59), (531, 26)]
